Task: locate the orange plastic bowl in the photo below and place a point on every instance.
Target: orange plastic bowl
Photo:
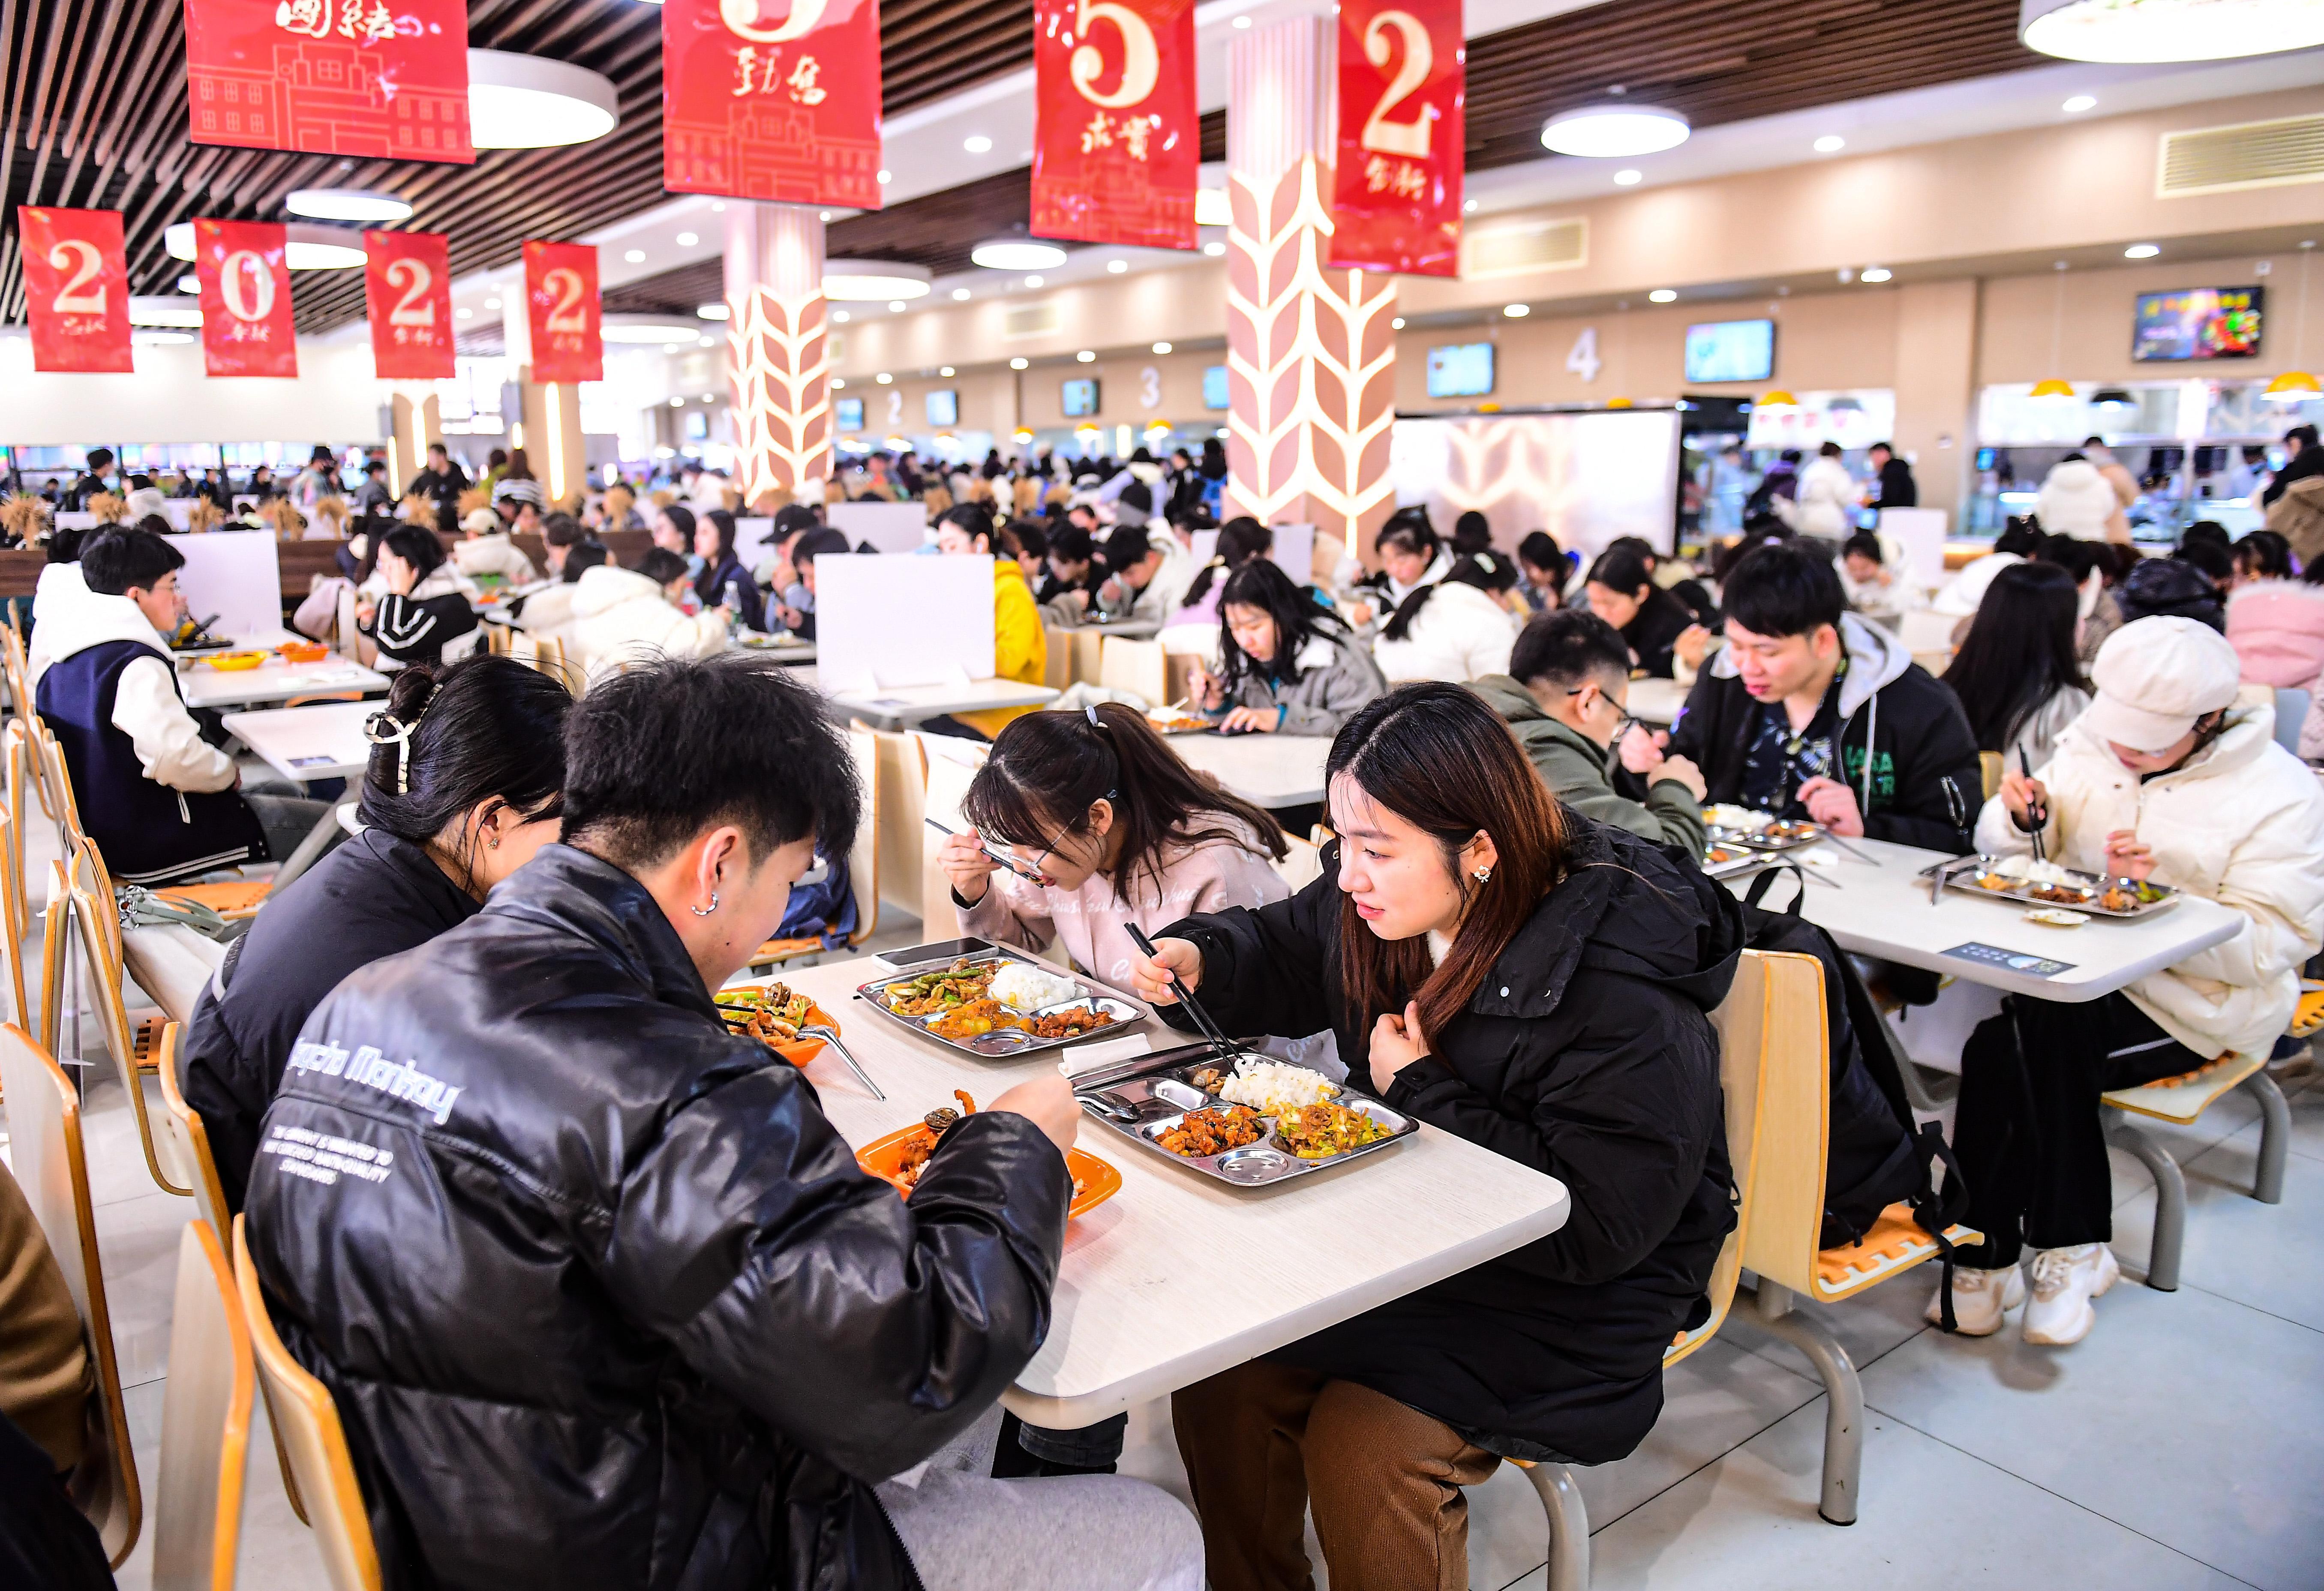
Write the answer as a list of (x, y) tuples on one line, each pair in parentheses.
[(800, 1052), (883, 1158), (303, 651), (235, 662)]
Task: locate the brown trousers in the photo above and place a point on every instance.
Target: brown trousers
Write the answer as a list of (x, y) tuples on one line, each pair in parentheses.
[(1264, 1442)]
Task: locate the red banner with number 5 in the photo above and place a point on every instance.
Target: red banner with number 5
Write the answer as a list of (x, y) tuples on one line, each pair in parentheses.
[(1395, 203), (1117, 131), (561, 301), (246, 282), (407, 294), (76, 287)]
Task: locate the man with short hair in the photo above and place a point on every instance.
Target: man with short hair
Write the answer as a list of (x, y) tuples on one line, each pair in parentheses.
[(1893, 478), (1146, 582), (1569, 673), (92, 480), (2302, 459), (1808, 712), (441, 482), (372, 497), (603, 1300)]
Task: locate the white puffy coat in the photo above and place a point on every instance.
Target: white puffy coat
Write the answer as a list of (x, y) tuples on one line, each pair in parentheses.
[(2242, 824), (493, 554), (2076, 500), (619, 617), (1459, 634), (1826, 498)]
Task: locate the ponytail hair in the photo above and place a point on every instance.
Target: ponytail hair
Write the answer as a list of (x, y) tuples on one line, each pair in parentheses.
[(1466, 570), (1241, 539), (1047, 769)]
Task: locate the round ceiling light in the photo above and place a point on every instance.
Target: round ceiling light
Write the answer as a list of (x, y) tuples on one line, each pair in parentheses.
[(647, 328), (1016, 255), (528, 102), (1606, 131), (2153, 30), (711, 312), (189, 283), (866, 282), (164, 311), (345, 203), (305, 247)]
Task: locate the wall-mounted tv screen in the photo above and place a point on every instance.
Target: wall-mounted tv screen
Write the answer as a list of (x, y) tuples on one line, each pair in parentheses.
[(944, 407), (1461, 370), (850, 414), (1214, 388), (1081, 397), (2196, 323), (1730, 350)]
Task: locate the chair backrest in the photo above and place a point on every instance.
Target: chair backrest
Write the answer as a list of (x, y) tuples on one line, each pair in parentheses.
[(948, 787), (902, 803), (307, 1425), (1990, 766), (58, 781), (51, 1166), (1302, 866), (190, 1140), (205, 1423), (14, 921), (1138, 666), (1057, 671), (1784, 1216), (2291, 713), (83, 919), (863, 859)]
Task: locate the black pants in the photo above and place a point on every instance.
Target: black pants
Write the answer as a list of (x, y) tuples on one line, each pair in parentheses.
[(2027, 1133)]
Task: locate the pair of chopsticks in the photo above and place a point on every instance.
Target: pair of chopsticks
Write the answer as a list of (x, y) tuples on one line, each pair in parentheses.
[(999, 856), (2037, 816), (1223, 1047)]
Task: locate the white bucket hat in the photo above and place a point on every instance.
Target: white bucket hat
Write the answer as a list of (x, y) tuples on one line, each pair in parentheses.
[(2155, 677)]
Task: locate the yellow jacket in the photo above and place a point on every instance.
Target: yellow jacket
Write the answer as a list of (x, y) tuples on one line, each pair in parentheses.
[(1020, 647)]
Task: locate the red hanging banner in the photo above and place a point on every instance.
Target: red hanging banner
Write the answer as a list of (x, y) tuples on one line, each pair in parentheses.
[(561, 311), (77, 289), (408, 296), (358, 78), (1395, 203), (246, 329), (1116, 133), (759, 105)]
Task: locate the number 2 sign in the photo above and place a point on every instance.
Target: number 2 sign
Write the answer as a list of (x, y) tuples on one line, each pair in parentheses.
[(407, 294), (246, 282), (560, 300), (1397, 198), (76, 289)]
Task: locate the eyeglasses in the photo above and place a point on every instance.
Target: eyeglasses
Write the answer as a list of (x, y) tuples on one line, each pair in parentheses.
[(1626, 719)]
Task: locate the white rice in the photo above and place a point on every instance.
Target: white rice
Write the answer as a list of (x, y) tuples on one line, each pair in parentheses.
[(2032, 871), (1736, 820), (1273, 1087), (1024, 987)]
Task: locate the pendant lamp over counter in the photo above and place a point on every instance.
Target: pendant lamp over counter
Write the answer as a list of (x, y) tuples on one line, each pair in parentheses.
[(2055, 387), (2298, 386)]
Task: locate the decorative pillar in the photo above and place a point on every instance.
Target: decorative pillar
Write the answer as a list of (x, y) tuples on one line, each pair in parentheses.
[(1311, 355), (548, 421), (415, 425), (777, 335)]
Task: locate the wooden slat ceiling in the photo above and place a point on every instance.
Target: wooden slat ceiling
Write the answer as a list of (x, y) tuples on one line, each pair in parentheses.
[(94, 100)]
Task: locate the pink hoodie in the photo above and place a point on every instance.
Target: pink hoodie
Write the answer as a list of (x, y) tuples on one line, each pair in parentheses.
[(2277, 628)]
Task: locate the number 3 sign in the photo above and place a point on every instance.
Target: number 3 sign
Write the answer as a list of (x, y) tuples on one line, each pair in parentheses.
[(246, 282), (407, 294), (1396, 200), (76, 289)]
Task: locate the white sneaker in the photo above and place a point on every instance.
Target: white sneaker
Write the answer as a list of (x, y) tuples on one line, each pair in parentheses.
[(2065, 1280), (1981, 1298)]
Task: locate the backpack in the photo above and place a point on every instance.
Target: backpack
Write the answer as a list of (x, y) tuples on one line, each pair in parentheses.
[(821, 908)]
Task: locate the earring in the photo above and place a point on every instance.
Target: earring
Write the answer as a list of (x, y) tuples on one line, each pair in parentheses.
[(705, 911), (493, 843), (1483, 874)]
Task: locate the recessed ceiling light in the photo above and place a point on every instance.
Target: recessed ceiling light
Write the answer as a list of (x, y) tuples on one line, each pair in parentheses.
[(676, 402), (1663, 296), (635, 256), (706, 342), (1019, 363), (1242, 22), (960, 294), (531, 102), (1831, 143), (717, 207), (945, 371), (464, 313), (839, 315), (1467, 207), (687, 240), (837, 382), (189, 284), (2079, 103), (1161, 347), (345, 203), (711, 312), (1396, 325), (2166, 30), (1213, 207), (883, 378), (1214, 248), (1116, 267), (709, 398), (670, 347), (163, 311), (1629, 177), (1085, 357), (1033, 281), (2141, 252), (492, 303), (1516, 311), (885, 177), (1876, 273), (1602, 132), (977, 143), (1016, 255), (827, 215)]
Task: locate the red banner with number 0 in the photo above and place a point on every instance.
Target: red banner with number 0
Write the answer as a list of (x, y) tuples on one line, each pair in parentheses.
[(1117, 135), (758, 103), (246, 282), (1395, 203), (408, 296), (561, 311), (76, 289), (357, 77)]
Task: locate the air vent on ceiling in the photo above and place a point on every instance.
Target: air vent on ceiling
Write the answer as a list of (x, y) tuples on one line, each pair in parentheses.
[(1031, 320), (2250, 154), (1534, 245)]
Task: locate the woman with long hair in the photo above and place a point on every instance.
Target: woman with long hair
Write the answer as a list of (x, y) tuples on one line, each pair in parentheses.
[(2016, 672), (1444, 624), (1193, 627), (1540, 985), (426, 606), (1287, 664), (1622, 591), (723, 581)]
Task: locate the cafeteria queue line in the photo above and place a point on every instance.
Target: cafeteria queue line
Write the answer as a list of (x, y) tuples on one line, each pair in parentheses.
[(592, 1278)]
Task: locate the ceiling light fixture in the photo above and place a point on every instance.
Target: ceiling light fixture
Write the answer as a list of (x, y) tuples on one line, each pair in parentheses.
[(2056, 387), (1242, 22), (1161, 347), (163, 311), (635, 256), (678, 403), (895, 305), (1777, 398), (530, 102), (345, 203), (1085, 357), (977, 143), (1019, 363), (305, 247), (1033, 281), (883, 378), (687, 240), (1008, 253), (1116, 267), (1629, 177), (838, 383), (947, 371), (492, 303), (1213, 207), (711, 312), (885, 177), (2142, 251), (1214, 248), (1516, 311), (706, 342), (2079, 103), (839, 317), (463, 313), (1604, 132), (189, 283), (2155, 30), (1467, 207), (1663, 296), (871, 281), (1396, 325), (961, 294), (1876, 273), (1831, 143)]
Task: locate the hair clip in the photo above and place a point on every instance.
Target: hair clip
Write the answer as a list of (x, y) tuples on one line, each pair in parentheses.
[(400, 739), (1094, 722)]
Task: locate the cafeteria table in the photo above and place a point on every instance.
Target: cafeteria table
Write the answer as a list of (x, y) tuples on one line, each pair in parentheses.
[(1274, 770), (325, 742), (1177, 1277), (912, 704), (272, 681), (1656, 701)]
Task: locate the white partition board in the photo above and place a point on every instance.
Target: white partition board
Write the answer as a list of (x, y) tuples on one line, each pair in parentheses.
[(1922, 531), (235, 574), (883, 621), (754, 541), (890, 527), (1294, 552)]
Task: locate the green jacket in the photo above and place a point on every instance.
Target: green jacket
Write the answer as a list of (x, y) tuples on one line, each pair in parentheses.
[(1574, 768)]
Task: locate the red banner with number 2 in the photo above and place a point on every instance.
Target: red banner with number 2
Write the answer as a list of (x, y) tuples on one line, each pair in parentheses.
[(561, 311), (407, 294), (1395, 203), (76, 289), (246, 281), (1116, 127)]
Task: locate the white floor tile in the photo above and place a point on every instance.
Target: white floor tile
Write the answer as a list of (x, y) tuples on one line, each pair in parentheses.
[(2270, 1257), (137, 1245), (1873, 1323)]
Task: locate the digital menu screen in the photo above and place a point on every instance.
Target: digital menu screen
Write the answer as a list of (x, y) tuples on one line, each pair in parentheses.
[(1730, 350), (2196, 323), (850, 413), (1079, 397), (943, 406), (1461, 370)]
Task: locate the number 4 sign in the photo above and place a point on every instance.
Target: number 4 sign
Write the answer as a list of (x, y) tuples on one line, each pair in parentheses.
[(408, 294), (77, 287)]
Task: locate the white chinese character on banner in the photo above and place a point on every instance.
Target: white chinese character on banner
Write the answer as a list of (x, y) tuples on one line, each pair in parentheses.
[(1135, 132), (1098, 135), (310, 17), (802, 82)]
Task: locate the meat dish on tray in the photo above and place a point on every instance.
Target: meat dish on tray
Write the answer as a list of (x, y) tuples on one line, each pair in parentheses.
[(931, 993), (772, 1014), (1213, 1131)]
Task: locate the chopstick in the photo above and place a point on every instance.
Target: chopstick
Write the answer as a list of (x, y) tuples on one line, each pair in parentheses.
[(2040, 814), (1001, 856), (1219, 1042)]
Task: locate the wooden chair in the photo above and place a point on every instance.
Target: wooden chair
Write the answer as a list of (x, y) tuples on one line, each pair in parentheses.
[(307, 1427), (1776, 1003), (948, 786), (1057, 672), (133, 1041), (16, 895), (1088, 655), (1137, 666), (1785, 1227), (1989, 769), (51, 1166), (903, 806), (181, 1124), (2180, 1099), (862, 865), (205, 1423)]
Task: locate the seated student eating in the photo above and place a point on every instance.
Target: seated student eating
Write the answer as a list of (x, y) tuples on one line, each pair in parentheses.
[(1287, 664), (1809, 712), (622, 1313), (1509, 971)]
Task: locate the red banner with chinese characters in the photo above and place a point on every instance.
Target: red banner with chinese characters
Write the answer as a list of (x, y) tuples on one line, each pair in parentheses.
[(1116, 133), (361, 78), (77, 289), (562, 310), (1396, 204), (408, 296), (245, 283), (759, 101)]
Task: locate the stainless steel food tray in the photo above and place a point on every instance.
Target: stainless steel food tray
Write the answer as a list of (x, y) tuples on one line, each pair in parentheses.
[(1149, 1096), (1964, 871), (1004, 1043), (1760, 841)]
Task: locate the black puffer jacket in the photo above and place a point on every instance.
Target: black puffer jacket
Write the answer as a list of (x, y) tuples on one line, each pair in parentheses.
[(621, 1312), (371, 897), (1586, 1054)]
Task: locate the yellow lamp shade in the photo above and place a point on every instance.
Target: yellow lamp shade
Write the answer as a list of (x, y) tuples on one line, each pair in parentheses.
[(2294, 386), (1778, 399), (2052, 387), (1619, 403)]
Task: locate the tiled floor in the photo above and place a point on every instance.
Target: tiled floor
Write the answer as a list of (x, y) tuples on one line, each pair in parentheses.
[(2181, 1446)]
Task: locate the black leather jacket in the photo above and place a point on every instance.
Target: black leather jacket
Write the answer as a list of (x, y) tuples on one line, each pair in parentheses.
[(602, 1297)]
